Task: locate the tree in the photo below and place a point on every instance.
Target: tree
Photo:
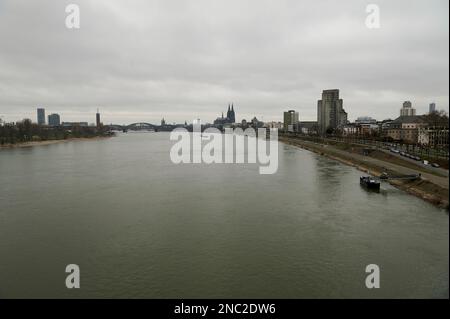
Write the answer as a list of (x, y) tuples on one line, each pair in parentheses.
[(436, 119)]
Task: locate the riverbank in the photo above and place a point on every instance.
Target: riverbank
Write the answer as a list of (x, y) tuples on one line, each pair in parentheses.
[(432, 188), (50, 142)]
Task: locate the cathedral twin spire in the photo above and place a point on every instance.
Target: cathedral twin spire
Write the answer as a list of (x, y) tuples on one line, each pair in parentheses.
[(230, 113)]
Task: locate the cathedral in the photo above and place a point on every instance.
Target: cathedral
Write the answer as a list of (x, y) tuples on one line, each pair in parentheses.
[(229, 119)]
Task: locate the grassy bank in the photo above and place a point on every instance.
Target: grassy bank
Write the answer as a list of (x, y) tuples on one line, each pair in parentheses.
[(431, 188), (49, 142)]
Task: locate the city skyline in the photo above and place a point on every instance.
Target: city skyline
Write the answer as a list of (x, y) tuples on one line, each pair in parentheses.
[(246, 116), (192, 64)]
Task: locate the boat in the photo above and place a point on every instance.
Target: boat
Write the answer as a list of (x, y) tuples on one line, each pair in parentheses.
[(369, 182)]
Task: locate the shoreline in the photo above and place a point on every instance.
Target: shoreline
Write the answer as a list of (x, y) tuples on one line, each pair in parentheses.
[(50, 142), (423, 188)]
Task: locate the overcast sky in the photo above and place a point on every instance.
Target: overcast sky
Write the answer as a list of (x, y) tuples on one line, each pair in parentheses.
[(144, 60)]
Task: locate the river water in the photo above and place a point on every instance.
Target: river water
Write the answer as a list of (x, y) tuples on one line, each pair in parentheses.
[(139, 226)]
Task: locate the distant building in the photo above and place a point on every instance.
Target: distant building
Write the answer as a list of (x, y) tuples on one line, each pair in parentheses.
[(330, 111), (41, 116), (54, 120), (229, 119), (290, 121), (230, 114), (257, 123), (432, 108), (273, 124), (163, 122), (365, 120), (73, 124), (308, 127), (407, 109), (406, 128), (97, 119), (433, 137)]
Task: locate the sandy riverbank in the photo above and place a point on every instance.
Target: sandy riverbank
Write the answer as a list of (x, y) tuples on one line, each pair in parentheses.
[(433, 189), (49, 142)]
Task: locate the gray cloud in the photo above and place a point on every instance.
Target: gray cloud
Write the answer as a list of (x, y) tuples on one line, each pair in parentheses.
[(144, 60)]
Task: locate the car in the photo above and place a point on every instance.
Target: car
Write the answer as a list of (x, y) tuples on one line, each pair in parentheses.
[(425, 162), (435, 165), (402, 154), (417, 158)]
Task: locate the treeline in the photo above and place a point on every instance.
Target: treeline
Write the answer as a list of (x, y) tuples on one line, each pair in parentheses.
[(26, 131)]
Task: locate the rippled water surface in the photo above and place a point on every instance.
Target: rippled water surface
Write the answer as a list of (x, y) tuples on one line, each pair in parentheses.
[(140, 226)]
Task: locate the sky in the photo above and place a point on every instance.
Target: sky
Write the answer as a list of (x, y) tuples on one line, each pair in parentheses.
[(140, 60)]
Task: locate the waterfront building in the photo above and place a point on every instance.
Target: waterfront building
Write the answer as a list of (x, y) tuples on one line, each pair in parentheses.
[(330, 111), (433, 137), (257, 123), (41, 116), (54, 120), (97, 119), (406, 128), (273, 124), (432, 108), (308, 127), (230, 114), (229, 119), (365, 120), (407, 109), (290, 121), (74, 124)]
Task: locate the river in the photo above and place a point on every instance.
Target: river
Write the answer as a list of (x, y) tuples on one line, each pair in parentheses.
[(139, 226)]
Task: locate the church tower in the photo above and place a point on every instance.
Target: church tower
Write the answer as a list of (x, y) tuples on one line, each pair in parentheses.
[(232, 115)]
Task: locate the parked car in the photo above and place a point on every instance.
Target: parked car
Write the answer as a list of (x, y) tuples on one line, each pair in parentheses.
[(417, 158), (402, 153), (435, 165), (425, 162)]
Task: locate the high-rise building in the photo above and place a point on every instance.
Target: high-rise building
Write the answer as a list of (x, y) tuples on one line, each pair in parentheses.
[(41, 116), (432, 108), (54, 120), (230, 114), (407, 109), (330, 111), (97, 119), (229, 119), (290, 121)]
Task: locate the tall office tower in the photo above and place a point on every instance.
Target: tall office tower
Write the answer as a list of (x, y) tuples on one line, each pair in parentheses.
[(407, 109), (97, 119), (432, 108), (41, 116), (330, 111), (291, 121), (54, 120)]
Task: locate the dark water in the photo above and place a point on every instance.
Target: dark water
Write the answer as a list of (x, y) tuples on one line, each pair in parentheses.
[(140, 226)]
